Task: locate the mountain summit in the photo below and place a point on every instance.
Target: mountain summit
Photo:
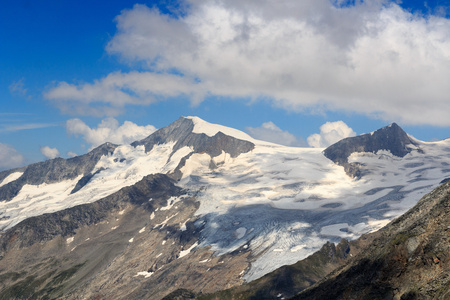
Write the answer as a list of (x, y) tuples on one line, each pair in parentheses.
[(391, 138)]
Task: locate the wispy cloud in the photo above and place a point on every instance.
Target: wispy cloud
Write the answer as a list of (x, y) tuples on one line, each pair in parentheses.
[(372, 58), (27, 126), (17, 88)]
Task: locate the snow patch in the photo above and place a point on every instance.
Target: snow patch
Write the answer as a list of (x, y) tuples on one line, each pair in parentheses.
[(163, 223), (183, 253), (144, 273), (201, 126), (170, 202), (10, 178)]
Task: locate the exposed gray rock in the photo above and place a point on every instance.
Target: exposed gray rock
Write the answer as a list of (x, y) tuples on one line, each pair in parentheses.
[(180, 132), (45, 227), (391, 138), (54, 170)]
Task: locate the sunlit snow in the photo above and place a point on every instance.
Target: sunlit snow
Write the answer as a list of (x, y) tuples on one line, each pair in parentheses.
[(10, 178), (282, 202)]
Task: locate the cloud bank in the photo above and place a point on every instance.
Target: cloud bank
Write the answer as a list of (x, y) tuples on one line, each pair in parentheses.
[(272, 133), (108, 131), (10, 157), (372, 58), (330, 133), (49, 153)]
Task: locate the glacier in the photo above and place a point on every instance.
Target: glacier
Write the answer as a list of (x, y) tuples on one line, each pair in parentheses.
[(283, 203)]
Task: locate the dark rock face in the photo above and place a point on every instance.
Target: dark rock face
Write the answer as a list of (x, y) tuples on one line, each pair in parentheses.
[(180, 132), (409, 260), (65, 222), (391, 138), (54, 170)]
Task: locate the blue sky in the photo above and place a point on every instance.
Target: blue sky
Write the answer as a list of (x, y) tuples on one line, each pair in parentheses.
[(75, 74)]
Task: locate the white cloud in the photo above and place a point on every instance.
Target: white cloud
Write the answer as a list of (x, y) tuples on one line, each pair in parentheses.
[(71, 154), (113, 92), (109, 131), (272, 133), (372, 58), (27, 126), (49, 153), (330, 133), (10, 157)]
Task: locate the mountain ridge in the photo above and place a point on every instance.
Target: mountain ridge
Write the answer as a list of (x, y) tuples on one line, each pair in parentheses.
[(391, 138), (248, 208)]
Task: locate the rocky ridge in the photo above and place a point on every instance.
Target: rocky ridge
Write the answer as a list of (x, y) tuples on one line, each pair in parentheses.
[(54, 170), (217, 209), (391, 138)]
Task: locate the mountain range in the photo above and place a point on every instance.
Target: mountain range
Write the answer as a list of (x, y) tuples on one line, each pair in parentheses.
[(197, 208)]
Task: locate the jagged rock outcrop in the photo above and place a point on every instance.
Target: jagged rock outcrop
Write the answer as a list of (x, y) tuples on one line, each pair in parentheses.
[(53, 170), (409, 260), (181, 132), (391, 138)]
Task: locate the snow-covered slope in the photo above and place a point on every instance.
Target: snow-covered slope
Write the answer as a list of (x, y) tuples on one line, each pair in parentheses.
[(280, 202)]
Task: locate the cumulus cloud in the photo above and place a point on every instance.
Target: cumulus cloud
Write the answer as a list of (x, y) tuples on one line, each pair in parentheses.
[(108, 131), (272, 133), (330, 133), (10, 157), (372, 57), (49, 153)]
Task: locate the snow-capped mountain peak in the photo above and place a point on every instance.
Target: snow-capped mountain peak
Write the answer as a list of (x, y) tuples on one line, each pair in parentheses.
[(281, 203), (201, 126)]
